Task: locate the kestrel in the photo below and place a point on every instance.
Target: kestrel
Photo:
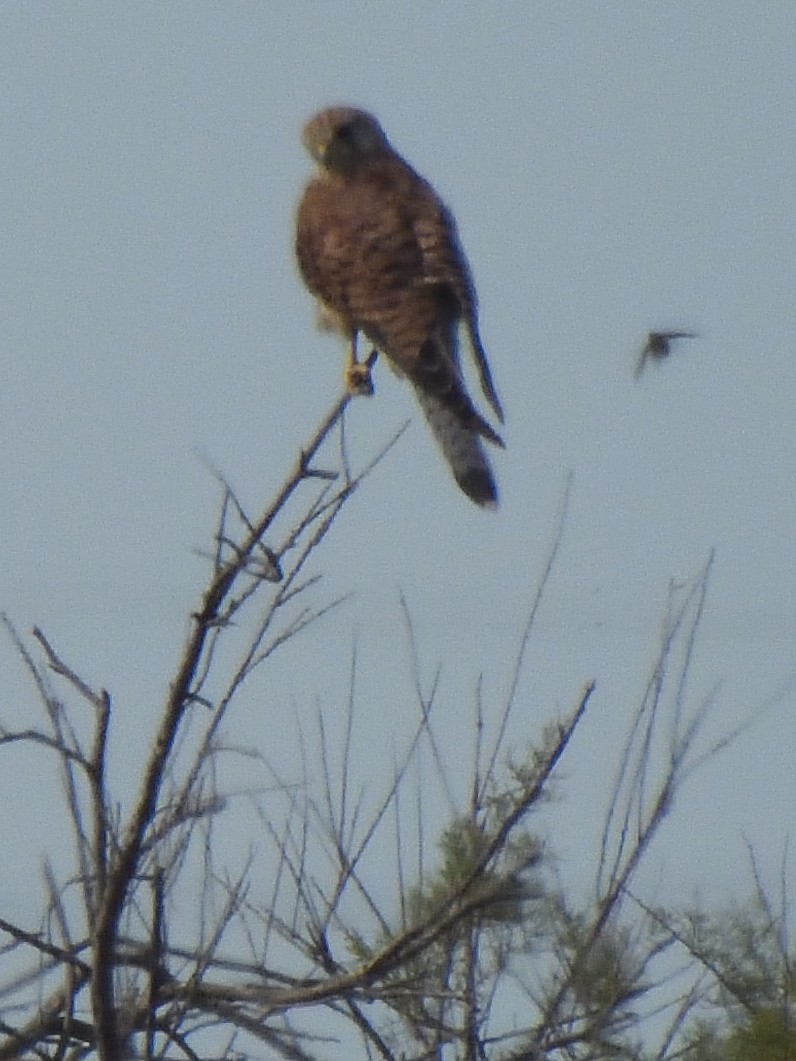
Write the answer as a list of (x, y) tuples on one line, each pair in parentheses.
[(659, 345), (380, 252)]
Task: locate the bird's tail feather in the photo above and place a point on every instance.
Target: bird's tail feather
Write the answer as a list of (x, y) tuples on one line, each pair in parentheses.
[(461, 445), (484, 373), (436, 372)]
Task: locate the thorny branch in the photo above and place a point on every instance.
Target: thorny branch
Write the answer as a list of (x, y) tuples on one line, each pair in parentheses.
[(110, 859), (268, 953), (179, 700)]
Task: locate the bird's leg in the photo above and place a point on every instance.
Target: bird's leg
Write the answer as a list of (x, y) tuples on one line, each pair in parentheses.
[(357, 373)]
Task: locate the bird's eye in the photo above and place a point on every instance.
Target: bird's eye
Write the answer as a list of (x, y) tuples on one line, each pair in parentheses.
[(346, 133)]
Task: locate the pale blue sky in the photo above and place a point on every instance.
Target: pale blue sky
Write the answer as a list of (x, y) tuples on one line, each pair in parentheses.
[(614, 167)]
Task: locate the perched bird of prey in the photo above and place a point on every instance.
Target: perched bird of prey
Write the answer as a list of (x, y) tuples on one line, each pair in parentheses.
[(380, 252), (659, 345)]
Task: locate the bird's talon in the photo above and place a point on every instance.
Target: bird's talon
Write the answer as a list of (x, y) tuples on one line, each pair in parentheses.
[(358, 379)]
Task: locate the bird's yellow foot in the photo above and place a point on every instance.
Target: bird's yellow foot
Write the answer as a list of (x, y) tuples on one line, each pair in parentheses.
[(357, 378)]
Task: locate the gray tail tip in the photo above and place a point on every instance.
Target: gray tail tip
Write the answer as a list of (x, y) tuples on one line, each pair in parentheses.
[(479, 486)]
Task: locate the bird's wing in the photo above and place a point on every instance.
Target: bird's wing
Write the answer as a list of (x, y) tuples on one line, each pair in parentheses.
[(444, 262)]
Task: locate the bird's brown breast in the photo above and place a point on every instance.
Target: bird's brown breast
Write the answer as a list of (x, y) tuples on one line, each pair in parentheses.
[(359, 253)]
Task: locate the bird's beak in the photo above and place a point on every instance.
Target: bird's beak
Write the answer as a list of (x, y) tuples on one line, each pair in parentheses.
[(315, 149)]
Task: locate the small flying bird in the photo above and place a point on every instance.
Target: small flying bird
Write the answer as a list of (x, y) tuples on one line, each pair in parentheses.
[(659, 345), (380, 252)]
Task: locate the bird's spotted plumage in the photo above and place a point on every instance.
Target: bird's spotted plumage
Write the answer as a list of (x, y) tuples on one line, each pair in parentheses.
[(380, 251)]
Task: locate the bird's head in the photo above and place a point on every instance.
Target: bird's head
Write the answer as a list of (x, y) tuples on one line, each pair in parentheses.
[(342, 138)]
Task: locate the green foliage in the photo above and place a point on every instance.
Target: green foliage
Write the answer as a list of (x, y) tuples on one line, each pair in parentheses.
[(766, 1035), (752, 1007), (518, 922), (769, 1036), (496, 892)]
